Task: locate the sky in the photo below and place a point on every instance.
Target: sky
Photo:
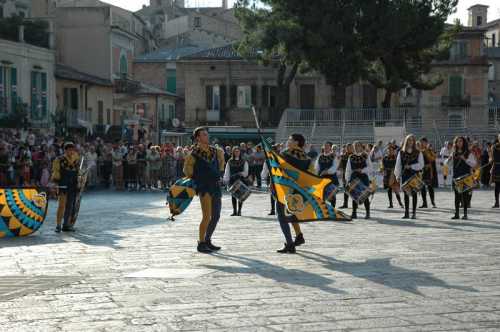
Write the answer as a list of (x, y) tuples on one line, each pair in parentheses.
[(493, 11)]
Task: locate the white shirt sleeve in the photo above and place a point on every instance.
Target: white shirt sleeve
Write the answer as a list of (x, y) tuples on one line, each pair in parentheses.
[(368, 169), (471, 161), (227, 174), (333, 170), (348, 170), (245, 170), (420, 164), (265, 171), (316, 166), (397, 168)]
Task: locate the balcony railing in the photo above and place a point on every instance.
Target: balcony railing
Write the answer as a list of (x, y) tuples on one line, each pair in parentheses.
[(457, 101)]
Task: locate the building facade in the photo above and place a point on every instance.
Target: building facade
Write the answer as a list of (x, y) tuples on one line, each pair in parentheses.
[(27, 80), (10, 8)]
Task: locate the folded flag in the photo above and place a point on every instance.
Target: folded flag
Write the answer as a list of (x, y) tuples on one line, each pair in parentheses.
[(180, 196)]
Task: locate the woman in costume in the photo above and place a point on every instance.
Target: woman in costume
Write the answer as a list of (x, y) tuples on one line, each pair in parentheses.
[(409, 162), (388, 165), (349, 149), (326, 166), (359, 167), (463, 162), (236, 169)]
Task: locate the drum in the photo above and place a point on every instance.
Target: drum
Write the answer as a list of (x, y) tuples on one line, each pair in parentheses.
[(413, 184), (239, 190), (465, 183), (358, 191), (330, 191)]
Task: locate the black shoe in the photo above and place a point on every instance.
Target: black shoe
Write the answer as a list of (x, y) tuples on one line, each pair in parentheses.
[(299, 240), (287, 249), (354, 216), (465, 217), (414, 215), (272, 213), (344, 207), (212, 247), (239, 213), (496, 206), (424, 206), (58, 229), (234, 214), (68, 229), (434, 205), (203, 248), (390, 206), (367, 216), (406, 216), (455, 217)]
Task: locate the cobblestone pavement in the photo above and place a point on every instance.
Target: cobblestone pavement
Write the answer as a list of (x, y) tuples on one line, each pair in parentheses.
[(128, 269)]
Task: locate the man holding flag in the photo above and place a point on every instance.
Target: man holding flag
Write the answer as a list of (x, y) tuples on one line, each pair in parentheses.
[(300, 195)]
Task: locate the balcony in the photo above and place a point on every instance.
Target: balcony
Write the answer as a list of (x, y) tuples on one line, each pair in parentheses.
[(456, 101), (127, 86)]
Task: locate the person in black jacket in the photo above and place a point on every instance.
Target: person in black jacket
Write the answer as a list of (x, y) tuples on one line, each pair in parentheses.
[(236, 169)]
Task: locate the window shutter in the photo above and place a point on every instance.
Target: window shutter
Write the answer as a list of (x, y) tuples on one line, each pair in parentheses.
[(272, 94), (209, 93), (223, 97), (171, 81), (265, 96), (34, 95), (253, 96), (44, 95), (233, 95), (455, 86), (66, 98), (13, 84), (74, 99)]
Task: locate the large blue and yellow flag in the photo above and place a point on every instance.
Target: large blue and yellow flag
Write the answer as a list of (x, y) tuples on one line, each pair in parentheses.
[(302, 193)]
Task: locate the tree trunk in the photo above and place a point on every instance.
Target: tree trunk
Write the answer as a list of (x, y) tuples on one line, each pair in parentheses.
[(387, 99), (284, 80)]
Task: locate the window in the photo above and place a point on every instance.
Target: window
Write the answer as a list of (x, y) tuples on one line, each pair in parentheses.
[(171, 111), (491, 72), (493, 40), (339, 98), (455, 120), (456, 86), (479, 21), (108, 116), (269, 96), (38, 95), (244, 96), (458, 50), (407, 92), (70, 99), (171, 80), (213, 97), (369, 96), (100, 112), (197, 22), (123, 65), (8, 89), (307, 95)]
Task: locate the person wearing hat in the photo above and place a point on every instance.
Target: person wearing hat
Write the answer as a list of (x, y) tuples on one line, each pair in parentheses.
[(65, 175)]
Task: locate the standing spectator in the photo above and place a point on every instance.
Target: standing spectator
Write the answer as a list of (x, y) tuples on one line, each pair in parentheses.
[(132, 169), (117, 168), (4, 165), (107, 164), (179, 162), (154, 166), (91, 158), (259, 158), (485, 160), (142, 166)]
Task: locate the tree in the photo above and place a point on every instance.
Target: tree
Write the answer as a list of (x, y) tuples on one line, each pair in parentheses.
[(273, 37), (402, 39)]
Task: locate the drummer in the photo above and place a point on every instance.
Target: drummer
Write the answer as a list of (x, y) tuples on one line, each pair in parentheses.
[(409, 163), (236, 170), (326, 166), (388, 165), (463, 161), (359, 167)]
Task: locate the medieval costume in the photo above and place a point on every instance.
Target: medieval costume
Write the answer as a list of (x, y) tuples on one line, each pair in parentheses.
[(390, 182), (495, 170), (359, 166), (343, 166), (429, 176), (409, 162), (326, 166), (236, 169)]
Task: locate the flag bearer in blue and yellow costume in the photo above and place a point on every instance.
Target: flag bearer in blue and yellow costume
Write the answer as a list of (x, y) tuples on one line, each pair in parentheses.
[(296, 156), (205, 165), (359, 167), (65, 175), (326, 166)]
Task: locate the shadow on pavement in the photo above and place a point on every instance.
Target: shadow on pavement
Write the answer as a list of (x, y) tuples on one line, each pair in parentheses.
[(275, 272), (381, 271)]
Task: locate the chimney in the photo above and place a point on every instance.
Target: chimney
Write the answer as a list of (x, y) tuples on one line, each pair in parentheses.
[(224, 4), (21, 33)]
